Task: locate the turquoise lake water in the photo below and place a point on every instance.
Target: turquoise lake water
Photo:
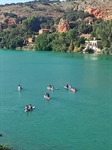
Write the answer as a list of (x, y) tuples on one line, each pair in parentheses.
[(68, 121)]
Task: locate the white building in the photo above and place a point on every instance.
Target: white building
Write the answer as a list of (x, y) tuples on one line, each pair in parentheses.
[(92, 44)]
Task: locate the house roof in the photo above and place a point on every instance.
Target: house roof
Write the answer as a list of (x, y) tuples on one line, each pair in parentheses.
[(87, 36)]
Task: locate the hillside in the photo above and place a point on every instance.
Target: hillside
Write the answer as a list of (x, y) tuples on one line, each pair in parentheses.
[(100, 8)]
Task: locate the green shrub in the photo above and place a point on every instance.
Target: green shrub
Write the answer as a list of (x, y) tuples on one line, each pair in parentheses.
[(4, 147)]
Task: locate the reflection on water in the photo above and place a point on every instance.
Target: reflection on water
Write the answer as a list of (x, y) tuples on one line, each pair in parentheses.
[(85, 56), (91, 57)]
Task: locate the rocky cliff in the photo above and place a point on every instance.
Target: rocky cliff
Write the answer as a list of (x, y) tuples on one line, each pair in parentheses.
[(63, 25), (99, 8)]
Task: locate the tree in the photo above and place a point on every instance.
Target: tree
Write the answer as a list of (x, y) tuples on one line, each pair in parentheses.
[(59, 43), (31, 23), (72, 34), (42, 43), (106, 43), (80, 41), (71, 47)]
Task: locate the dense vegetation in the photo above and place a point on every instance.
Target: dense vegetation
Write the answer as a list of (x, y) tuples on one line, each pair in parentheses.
[(13, 36), (4, 147)]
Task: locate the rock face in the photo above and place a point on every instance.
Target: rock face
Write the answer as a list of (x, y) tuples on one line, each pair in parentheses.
[(100, 9), (63, 25), (99, 13)]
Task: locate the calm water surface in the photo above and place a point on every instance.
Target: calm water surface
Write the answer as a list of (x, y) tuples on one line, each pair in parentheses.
[(68, 121)]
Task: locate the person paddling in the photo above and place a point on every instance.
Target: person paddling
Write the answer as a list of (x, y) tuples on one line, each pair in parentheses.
[(47, 96), (19, 87), (26, 108), (50, 87), (30, 107)]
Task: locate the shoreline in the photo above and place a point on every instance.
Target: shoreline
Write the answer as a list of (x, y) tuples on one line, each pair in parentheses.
[(32, 48)]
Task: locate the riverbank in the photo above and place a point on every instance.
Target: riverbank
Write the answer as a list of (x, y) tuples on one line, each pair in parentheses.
[(106, 51)]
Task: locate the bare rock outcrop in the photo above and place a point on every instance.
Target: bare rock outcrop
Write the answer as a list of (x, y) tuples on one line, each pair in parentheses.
[(100, 9), (98, 13), (63, 25)]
